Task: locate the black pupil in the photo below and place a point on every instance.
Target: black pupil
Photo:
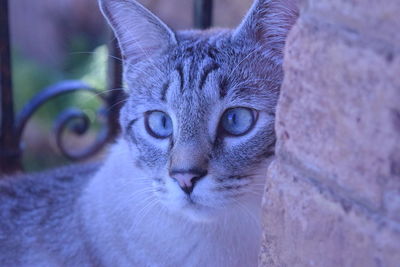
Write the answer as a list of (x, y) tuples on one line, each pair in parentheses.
[(164, 122)]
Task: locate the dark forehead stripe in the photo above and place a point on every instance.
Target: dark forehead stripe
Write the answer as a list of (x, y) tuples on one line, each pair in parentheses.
[(207, 70), (192, 71), (179, 69), (223, 87), (164, 90)]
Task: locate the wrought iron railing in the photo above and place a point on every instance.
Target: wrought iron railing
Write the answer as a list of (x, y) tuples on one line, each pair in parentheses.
[(13, 126)]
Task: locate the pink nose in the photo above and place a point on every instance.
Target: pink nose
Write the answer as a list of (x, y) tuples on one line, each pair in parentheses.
[(187, 179), (184, 179)]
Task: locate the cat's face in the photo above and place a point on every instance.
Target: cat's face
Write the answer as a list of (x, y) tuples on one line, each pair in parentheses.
[(203, 109), (200, 113)]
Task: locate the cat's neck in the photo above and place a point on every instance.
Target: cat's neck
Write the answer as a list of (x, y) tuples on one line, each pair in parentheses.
[(122, 215)]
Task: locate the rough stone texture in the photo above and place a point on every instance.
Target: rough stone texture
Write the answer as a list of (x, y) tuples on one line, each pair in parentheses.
[(333, 193), (307, 225), (337, 111), (374, 18)]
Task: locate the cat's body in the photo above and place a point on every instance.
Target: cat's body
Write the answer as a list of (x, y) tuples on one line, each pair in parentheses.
[(68, 220), (40, 222), (183, 184)]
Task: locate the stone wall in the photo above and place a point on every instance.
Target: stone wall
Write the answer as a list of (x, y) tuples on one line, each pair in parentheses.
[(333, 193)]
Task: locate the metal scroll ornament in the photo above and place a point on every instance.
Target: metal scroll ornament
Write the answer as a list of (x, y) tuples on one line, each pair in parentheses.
[(73, 120)]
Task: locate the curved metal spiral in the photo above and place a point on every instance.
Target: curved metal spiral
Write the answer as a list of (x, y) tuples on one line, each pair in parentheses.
[(71, 119), (78, 122)]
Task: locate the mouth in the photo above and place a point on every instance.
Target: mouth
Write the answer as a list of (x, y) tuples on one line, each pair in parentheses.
[(190, 199), (198, 212), (191, 203)]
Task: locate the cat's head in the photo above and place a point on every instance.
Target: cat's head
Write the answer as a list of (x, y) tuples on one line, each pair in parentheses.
[(200, 113)]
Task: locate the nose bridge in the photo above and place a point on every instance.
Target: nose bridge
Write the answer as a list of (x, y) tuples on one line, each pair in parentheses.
[(189, 156), (190, 144), (189, 164), (191, 147)]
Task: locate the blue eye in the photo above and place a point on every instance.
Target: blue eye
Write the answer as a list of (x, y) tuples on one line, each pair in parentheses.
[(158, 124), (237, 121)]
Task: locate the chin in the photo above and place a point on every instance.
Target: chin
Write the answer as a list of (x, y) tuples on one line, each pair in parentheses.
[(199, 213), (195, 212)]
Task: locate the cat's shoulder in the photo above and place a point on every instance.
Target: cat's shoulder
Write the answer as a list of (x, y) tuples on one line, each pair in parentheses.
[(39, 215), (39, 184), (37, 195)]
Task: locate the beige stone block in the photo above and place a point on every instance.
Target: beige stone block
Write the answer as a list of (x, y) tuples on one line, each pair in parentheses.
[(306, 224), (339, 114), (373, 18)]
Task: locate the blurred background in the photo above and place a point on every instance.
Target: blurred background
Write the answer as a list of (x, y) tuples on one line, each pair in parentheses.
[(54, 40)]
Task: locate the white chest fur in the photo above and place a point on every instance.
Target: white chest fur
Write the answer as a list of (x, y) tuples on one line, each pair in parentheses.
[(128, 228)]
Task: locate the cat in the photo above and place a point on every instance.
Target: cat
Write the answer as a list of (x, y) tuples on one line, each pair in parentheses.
[(182, 185)]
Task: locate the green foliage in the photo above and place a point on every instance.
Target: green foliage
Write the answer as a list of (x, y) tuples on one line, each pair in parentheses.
[(95, 71), (30, 77)]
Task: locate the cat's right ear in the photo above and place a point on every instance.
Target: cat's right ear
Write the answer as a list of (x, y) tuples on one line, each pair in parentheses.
[(267, 24), (139, 32)]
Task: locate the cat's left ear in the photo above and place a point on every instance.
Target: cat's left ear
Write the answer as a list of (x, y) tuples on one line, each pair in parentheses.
[(268, 23), (139, 32)]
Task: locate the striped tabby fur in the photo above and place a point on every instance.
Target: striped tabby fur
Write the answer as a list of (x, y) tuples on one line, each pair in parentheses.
[(129, 211)]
